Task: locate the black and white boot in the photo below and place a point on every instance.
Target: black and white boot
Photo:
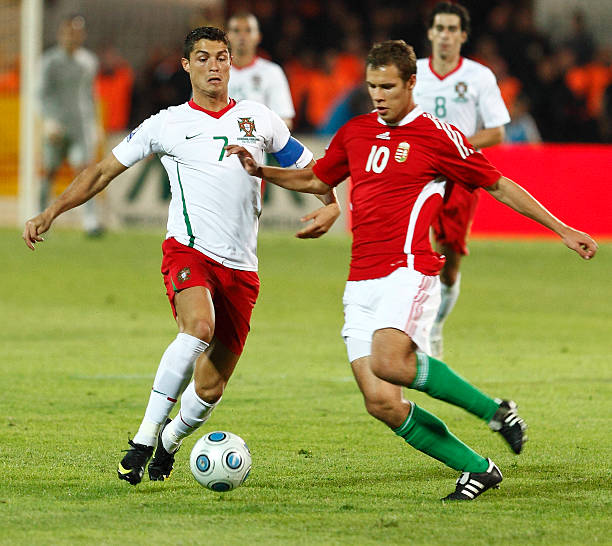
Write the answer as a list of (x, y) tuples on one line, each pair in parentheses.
[(510, 425), (472, 484)]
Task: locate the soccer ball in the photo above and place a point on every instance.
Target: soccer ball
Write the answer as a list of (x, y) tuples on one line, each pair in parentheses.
[(220, 461)]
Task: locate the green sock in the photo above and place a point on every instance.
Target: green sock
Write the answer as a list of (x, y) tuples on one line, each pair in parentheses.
[(425, 432), (438, 380)]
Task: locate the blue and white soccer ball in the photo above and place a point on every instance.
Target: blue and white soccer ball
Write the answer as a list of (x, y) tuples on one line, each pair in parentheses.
[(220, 461)]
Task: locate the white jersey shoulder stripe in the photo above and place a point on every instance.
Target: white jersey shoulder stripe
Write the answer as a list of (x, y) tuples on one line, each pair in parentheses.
[(453, 135), (431, 188)]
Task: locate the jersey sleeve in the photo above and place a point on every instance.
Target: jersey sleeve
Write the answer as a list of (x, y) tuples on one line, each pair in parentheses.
[(46, 87), (279, 95), (491, 107), (288, 151), (333, 167), (141, 142), (458, 161)]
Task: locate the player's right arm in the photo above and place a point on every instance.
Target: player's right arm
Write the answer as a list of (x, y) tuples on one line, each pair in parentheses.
[(87, 183)]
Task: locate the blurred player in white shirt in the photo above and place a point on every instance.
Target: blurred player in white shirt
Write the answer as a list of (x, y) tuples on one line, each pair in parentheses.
[(252, 77), (209, 256), (465, 94), (68, 111)]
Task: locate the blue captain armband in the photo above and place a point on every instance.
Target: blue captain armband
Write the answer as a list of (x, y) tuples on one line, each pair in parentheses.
[(289, 155)]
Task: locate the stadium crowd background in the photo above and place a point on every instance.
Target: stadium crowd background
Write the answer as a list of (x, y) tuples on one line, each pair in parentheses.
[(565, 84), (555, 76)]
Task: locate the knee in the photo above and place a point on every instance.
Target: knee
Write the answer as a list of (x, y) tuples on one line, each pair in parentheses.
[(380, 408), (450, 271), (382, 365), (449, 276), (199, 327), (399, 370)]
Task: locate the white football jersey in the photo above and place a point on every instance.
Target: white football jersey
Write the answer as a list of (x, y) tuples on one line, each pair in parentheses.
[(468, 97), (67, 90), (215, 203), (262, 81)]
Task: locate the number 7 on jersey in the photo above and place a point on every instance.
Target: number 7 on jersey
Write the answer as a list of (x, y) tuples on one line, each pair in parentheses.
[(225, 143)]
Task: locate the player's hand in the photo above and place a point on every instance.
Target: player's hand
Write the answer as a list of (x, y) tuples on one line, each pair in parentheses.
[(580, 242), (53, 130), (34, 228), (322, 220), (245, 157)]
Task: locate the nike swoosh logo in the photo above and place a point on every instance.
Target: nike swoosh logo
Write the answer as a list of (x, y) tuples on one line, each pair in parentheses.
[(187, 137), (123, 471)]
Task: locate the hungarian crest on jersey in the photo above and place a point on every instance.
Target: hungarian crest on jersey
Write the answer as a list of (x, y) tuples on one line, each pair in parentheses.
[(247, 126), (401, 152)]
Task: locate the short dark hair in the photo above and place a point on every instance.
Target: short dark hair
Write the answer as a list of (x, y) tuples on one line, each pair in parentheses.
[(204, 33), (453, 9), (395, 52)]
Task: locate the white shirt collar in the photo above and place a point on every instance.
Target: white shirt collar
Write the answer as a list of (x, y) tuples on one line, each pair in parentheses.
[(408, 118)]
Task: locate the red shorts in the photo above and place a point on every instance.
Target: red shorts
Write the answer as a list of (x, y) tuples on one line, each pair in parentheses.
[(233, 292), (452, 225)]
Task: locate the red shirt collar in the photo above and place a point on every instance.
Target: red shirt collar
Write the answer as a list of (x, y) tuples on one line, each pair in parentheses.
[(216, 115), (446, 75)]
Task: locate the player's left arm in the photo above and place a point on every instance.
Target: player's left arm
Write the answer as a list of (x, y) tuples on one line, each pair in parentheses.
[(488, 137), (492, 111), (511, 194), (280, 96), (302, 180)]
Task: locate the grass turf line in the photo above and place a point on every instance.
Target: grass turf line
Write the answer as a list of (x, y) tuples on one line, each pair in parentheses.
[(85, 323)]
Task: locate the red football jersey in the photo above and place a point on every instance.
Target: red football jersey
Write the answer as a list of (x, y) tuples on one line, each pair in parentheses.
[(394, 195)]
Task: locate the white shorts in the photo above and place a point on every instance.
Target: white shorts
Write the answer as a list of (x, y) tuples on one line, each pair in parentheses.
[(78, 151), (405, 300)]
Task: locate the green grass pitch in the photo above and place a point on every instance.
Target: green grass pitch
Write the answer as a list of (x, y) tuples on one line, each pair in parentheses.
[(84, 324)]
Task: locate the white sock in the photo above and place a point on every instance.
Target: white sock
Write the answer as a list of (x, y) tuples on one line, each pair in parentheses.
[(449, 295), (91, 219), (174, 372), (193, 414)]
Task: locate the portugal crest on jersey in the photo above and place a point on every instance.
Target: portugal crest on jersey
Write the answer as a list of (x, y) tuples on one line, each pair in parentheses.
[(247, 126), (184, 274), (461, 89)]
